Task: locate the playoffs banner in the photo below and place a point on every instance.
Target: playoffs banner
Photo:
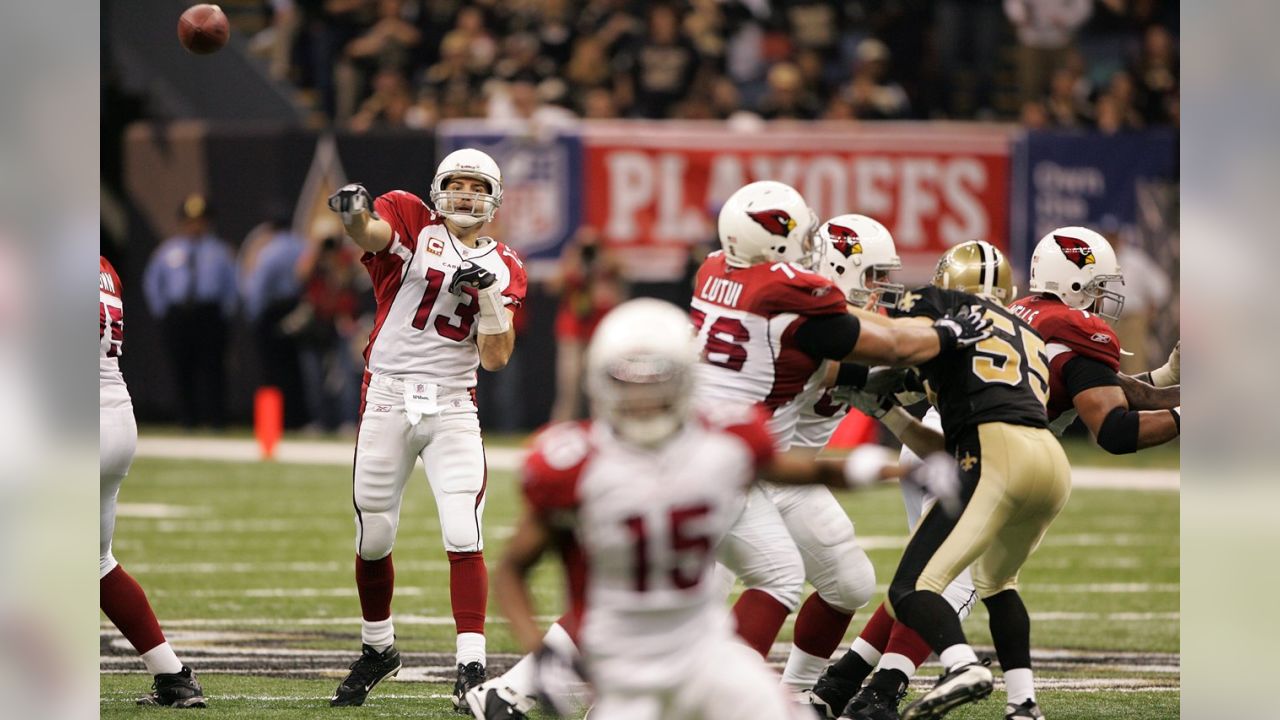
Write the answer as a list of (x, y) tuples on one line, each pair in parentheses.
[(654, 189)]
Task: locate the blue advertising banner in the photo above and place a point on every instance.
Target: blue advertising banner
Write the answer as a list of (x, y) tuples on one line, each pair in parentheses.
[(541, 181), (1071, 178)]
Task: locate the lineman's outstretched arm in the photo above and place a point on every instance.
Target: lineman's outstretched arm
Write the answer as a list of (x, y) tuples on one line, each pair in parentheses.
[(901, 343), (1144, 396), (1119, 430), (1168, 374)]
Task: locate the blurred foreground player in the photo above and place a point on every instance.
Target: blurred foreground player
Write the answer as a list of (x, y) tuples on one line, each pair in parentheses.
[(122, 599), (445, 298), (636, 501)]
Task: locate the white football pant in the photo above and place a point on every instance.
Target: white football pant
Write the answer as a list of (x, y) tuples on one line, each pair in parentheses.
[(117, 442)]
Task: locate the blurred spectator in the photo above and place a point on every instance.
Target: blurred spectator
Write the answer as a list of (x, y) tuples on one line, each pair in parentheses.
[(270, 290), (274, 43), (520, 100), (521, 56), (1157, 75), (813, 24), (659, 68), (386, 46), (325, 327), (1147, 290), (1121, 100), (451, 77), (482, 49), (786, 96), (190, 286), (590, 285), (1034, 116), (589, 66), (1045, 30), (328, 26), (598, 104), (1063, 106), (388, 106), (871, 93)]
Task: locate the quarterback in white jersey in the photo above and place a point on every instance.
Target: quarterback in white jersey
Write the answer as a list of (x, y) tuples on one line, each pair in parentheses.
[(445, 301), (636, 501), (123, 601), (766, 324)]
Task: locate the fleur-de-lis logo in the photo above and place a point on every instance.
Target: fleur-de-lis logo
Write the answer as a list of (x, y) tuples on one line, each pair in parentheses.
[(968, 461), (908, 301)]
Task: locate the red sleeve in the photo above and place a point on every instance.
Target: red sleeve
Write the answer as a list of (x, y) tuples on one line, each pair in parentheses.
[(554, 467), (518, 285), (108, 280), (1087, 335), (407, 215), (804, 294), (750, 427)]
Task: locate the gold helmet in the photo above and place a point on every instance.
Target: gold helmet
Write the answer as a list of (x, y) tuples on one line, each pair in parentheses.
[(976, 267)]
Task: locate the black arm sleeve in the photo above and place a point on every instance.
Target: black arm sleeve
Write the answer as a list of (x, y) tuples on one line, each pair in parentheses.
[(1118, 433), (828, 337), (1081, 373)]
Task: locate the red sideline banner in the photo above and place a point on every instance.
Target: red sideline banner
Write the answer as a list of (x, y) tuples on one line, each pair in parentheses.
[(653, 188)]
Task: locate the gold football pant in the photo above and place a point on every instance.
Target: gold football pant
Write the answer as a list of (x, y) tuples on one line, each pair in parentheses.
[(1016, 480)]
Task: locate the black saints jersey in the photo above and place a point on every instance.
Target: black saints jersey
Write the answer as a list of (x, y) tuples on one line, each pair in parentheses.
[(1004, 378)]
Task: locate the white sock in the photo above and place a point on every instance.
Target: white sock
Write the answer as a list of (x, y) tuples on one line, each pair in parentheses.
[(378, 634), (958, 654), (1019, 685), (802, 670), (866, 651), (557, 638), (161, 660), (470, 648), (520, 677), (894, 661)]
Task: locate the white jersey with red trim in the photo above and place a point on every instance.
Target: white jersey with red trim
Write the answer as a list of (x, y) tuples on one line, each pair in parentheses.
[(111, 388), (421, 329), (820, 415), (746, 320), (645, 524)]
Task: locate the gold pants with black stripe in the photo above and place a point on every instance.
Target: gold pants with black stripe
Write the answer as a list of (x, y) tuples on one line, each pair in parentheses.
[(1016, 481)]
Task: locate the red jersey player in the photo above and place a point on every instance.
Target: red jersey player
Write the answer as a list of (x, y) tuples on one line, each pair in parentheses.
[(445, 299), (122, 599), (636, 501)]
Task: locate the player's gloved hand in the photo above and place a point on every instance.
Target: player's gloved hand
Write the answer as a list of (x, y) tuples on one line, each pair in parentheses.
[(939, 476), (867, 403), (885, 380), (1170, 373), (962, 328), (472, 275), (352, 200), (558, 679), (865, 465)]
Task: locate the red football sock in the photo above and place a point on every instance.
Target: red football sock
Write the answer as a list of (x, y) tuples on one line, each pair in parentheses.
[(468, 590), (907, 642), (820, 627), (760, 617), (375, 582), (125, 604), (878, 629)]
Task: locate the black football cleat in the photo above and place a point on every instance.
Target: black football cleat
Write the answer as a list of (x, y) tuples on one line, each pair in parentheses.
[(961, 685), (1028, 710), (371, 668), (178, 690), (469, 676), (830, 694), (874, 703)]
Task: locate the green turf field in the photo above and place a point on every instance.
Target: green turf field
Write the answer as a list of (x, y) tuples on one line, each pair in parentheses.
[(249, 567)]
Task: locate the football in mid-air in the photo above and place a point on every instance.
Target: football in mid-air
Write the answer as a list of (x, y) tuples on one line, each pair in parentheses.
[(203, 29)]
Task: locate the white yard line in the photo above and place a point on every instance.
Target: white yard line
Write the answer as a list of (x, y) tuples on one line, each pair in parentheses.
[(333, 452)]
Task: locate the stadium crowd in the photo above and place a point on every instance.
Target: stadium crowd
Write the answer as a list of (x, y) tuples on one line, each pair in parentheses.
[(1105, 64)]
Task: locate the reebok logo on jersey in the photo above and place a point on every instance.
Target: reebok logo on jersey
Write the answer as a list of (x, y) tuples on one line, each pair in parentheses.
[(1075, 250), (777, 222), (844, 240), (1101, 338)]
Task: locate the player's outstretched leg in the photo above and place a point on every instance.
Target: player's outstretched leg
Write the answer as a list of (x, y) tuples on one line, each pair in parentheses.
[(125, 604)]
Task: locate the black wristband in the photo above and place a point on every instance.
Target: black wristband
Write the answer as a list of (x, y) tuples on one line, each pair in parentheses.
[(946, 338), (1144, 376), (1177, 419), (852, 375)]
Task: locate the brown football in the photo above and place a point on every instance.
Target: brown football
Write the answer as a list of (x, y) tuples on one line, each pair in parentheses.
[(203, 29)]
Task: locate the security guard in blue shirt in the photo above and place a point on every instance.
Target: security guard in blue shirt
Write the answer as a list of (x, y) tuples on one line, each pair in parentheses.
[(190, 286)]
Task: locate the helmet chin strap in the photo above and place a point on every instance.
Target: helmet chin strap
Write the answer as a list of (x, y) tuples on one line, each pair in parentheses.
[(464, 220)]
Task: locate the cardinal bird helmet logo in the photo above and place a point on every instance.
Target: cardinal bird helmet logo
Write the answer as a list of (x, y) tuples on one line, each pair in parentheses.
[(1076, 250), (844, 240), (777, 222)]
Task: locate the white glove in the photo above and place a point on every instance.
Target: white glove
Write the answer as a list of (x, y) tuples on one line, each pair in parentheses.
[(864, 465), (1170, 373), (939, 476)]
